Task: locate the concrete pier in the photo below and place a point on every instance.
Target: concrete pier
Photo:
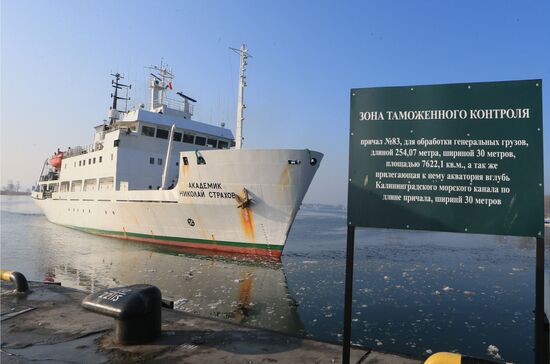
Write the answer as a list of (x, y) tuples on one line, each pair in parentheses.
[(49, 324)]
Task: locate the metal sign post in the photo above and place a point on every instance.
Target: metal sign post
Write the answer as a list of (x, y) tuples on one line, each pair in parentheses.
[(541, 341), (456, 158), (350, 250)]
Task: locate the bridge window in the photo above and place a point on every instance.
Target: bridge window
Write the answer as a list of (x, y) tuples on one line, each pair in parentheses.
[(148, 131), (151, 160), (188, 138), (212, 143), (162, 134), (177, 136), (159, 161), (200, 140), (222, 144)]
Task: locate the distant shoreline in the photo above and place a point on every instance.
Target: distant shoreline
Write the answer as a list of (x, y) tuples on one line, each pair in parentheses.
[(13, 193)]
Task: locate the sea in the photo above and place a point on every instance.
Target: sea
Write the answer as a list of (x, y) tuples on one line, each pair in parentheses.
[(414, 292)]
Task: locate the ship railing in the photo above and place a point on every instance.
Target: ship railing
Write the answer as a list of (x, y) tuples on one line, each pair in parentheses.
[(178, 105), (127, 127), (78, 150), (50, 176)]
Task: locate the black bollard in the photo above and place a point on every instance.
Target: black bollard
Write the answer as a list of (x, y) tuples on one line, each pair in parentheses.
[(21, 284), (136, 310)]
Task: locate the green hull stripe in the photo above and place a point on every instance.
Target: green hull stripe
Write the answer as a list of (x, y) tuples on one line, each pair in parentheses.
[(174, 238)]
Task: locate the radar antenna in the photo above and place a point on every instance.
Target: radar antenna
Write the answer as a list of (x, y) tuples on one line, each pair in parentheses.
[(243, 52)]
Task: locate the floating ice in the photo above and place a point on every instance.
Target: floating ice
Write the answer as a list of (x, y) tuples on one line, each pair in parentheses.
[(447, 289), (179, 303), (492, 350)]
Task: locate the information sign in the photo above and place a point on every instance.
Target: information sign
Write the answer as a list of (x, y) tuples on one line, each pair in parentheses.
[(458, 157)]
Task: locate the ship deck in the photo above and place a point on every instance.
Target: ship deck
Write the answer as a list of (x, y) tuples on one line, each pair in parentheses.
[(49, 324)]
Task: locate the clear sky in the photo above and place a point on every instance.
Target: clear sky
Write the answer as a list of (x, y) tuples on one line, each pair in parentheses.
[(56, 57)]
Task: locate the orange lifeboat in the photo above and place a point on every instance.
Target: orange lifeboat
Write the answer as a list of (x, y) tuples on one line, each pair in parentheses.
[(55, 161)]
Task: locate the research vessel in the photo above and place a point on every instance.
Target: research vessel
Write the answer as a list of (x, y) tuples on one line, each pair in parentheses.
[(154, 174)]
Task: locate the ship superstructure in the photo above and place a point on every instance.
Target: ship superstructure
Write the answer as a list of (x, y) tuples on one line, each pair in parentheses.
[(156, 175)]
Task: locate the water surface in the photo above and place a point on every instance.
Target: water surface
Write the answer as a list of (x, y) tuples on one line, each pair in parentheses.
[(414, 292)]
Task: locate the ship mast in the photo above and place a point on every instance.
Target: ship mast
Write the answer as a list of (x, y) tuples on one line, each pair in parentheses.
[(113, 114), (159, 83), (243, 52)]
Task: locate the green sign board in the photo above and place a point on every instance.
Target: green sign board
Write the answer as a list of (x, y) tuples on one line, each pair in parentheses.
[(459, 158)]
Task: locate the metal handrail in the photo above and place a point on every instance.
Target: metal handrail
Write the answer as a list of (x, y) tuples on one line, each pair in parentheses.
[(79, 150), (176, 104)]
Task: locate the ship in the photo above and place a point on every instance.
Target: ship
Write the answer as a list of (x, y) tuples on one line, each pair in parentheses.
[(155, 175)]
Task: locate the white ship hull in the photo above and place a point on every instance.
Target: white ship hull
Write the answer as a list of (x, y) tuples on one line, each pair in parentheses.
[(202, 210)]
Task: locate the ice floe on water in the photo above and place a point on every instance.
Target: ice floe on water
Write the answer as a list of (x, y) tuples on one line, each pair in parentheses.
[(413, 292), (493, 351)]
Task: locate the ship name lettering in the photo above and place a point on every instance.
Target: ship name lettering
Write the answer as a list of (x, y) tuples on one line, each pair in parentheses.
[(216, 194), (192, 193), (205, 185)]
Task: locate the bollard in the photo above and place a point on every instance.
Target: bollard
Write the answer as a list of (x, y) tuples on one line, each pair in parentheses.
[(136, 310), (21, 284)]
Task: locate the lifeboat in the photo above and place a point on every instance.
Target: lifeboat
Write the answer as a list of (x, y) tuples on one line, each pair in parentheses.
[(55, 161)]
